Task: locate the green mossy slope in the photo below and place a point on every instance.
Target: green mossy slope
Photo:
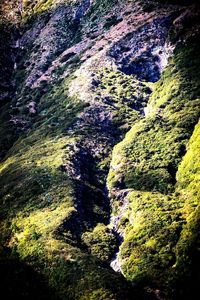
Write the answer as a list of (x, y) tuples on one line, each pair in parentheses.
[(37, 196), (163, 198), (148, 157)]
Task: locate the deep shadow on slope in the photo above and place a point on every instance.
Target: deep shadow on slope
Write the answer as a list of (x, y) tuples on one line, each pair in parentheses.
[(20, 281)]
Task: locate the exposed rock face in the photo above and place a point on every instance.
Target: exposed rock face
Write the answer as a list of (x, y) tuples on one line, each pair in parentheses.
[(144, 50), (82, 9), (97, 132)]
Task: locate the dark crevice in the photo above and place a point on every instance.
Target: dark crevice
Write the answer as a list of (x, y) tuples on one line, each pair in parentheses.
[(67, 56), (172, 170)]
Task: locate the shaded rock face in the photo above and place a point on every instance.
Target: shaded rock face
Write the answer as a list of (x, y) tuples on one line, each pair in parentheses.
[(82, 9), (105, 101), (49, 38), (144, 52)]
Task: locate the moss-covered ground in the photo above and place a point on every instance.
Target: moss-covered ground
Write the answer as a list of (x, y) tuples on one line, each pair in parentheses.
[(158, 162)]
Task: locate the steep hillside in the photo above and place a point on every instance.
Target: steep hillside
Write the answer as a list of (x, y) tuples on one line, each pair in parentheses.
[(99, 152)]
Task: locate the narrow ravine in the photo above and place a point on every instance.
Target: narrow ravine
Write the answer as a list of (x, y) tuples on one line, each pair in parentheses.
[(101, 119)]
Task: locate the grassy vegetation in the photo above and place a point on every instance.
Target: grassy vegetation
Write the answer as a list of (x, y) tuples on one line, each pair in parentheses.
[(148, 157), (187, 249), (126, 96), (35, 160), (102, 15), (101, 242), (162, 220), (155, 222), (31, 8), (37, 197), (162, 232)]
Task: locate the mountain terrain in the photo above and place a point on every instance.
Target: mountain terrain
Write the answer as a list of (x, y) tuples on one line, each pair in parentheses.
[(100, 149)]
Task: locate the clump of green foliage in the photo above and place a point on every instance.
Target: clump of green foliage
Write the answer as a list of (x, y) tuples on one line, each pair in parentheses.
[(126, 96), (31, 8), (101, 242)]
